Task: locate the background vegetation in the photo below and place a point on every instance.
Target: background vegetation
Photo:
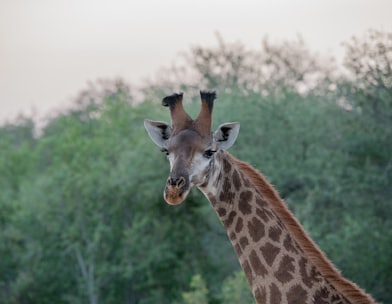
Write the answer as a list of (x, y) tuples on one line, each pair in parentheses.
[(82, 218)]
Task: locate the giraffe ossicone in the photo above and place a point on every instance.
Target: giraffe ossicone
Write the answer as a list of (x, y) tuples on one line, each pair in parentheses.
[(282, 264)]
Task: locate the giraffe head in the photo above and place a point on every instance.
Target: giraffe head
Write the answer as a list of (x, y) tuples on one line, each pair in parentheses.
[(189, 144)]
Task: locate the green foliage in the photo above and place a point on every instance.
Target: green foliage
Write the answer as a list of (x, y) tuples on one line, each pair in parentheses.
[(235, 289), (82, 218), (199, 292)]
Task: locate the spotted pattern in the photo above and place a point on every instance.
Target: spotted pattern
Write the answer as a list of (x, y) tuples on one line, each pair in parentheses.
[(285, 272), (256, 229), (239, 225), (297, 295), (260, 295), (236, 180), (275, 294), (245, 202), (276, 267), (257, 265), (269, 252), (274, 233)]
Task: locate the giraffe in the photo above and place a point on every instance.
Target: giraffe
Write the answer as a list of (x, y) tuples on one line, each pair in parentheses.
[(281, 262)]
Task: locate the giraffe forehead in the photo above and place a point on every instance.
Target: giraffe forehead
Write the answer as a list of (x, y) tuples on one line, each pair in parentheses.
[(188, 140)]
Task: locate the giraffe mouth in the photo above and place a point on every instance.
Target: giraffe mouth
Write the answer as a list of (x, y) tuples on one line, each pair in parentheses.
[(175, 195)]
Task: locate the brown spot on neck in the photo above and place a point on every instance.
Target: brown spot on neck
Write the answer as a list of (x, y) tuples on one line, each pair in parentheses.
[(269, 252), (275, 294), (245, 203), (256, 229), (236, 180), (285, 272), (274, 233), (257, 266), (297, 295), (226, 166)]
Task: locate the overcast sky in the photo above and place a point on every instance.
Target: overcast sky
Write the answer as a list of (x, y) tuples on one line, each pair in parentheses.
[(50, 49)]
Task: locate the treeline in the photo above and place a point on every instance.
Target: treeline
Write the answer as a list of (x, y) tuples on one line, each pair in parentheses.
[(82, 218)]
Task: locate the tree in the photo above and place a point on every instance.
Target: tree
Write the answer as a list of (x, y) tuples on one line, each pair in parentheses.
[(274, 70), (199, 292)]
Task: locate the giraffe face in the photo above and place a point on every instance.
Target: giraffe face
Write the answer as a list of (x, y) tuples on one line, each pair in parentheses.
[(190, 154)]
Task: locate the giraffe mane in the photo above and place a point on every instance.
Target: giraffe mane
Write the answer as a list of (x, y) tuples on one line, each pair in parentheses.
[(350, 290)]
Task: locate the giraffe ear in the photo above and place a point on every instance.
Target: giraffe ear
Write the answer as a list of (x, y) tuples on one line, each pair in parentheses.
[(226, 134), (158, 131)]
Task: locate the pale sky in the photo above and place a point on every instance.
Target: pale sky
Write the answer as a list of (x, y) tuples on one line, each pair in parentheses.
[(50, 49)]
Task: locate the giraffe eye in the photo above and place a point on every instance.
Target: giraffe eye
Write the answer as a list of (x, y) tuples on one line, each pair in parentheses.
[(209, 153)]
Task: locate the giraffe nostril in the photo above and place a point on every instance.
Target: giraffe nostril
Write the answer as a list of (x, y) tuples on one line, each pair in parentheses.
[(181, 182), (176, 181)]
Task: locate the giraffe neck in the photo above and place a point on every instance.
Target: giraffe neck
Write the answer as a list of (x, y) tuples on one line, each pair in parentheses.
[(281, 263)]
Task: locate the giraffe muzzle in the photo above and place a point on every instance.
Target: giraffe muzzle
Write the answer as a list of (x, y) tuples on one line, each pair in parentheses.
[(176, 190)]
